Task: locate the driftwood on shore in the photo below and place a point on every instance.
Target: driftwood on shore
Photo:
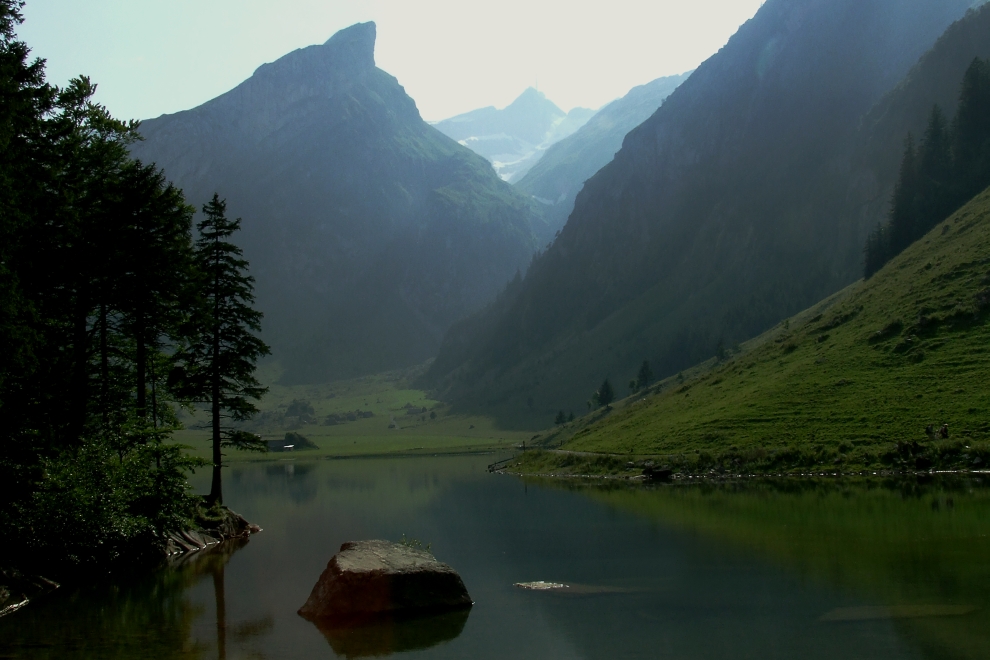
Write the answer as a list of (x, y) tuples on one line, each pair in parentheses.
[(18, 589)]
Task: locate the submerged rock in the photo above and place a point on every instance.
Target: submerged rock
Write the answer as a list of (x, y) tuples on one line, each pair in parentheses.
[(368, 578)]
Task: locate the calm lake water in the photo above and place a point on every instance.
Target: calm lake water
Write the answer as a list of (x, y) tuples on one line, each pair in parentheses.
[(755, 570)]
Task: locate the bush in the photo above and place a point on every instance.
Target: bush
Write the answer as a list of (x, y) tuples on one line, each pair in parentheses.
[(97, 506)]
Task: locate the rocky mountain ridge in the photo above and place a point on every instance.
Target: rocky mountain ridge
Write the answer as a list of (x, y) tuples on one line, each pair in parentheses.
[(368, 231)]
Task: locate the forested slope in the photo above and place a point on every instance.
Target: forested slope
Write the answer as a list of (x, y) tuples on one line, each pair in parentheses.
[(852, 382)]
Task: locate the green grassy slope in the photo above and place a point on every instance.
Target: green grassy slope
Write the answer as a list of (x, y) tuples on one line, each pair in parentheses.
[(852, 382)]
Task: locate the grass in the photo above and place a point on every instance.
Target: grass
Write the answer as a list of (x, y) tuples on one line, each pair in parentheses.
[(387, 396), (849, 384)]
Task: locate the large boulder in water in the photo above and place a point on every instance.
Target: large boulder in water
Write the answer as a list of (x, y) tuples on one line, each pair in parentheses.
[(368, 578)]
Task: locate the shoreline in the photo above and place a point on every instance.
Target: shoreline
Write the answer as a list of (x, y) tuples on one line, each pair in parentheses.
[(637, 469)]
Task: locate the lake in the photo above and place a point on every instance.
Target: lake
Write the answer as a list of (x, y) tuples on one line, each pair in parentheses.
[(870, 568)]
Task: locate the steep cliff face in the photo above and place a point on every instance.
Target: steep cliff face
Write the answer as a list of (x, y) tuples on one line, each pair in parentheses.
[(720, 215), (368, 231), (558, 176)]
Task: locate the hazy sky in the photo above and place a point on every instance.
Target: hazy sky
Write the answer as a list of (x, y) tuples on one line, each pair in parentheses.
[(151, 57)]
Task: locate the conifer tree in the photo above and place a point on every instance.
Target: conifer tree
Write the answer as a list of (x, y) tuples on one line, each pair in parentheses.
[(153, 234), (25, 98), (645, 375), (971, 130), (935, 175), (605, 395), (876, 251), (221, 358), (904, 210), (92, 247), (949, 167)]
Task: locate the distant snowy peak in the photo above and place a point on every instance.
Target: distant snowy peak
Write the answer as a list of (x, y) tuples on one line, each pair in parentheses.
[(514, 138)]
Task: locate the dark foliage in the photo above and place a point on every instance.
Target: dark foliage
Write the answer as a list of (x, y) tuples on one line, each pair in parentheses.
[(99, 301), (949, 167), (605, 395), (645, 375)]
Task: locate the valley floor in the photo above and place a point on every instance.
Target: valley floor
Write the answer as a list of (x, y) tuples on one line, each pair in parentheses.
[(371, 416)]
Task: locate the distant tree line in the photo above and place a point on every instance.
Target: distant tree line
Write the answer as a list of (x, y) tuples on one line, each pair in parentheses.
[(948, 168), (110, 317)]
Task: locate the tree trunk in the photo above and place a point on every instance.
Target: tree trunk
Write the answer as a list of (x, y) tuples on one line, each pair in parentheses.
[(141, 367), (216, 490), (154, 392), (104, 370), (80, 375)]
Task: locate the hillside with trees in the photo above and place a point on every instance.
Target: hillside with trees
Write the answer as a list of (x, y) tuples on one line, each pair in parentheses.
[(726, 211), (948, 166), (886, 374)]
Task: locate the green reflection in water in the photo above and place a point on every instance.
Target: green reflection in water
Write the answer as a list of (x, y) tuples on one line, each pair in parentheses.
[(147, 616), (917, 551)]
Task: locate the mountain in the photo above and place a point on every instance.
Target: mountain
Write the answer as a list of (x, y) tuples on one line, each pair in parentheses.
[(850, 383), (515, 137), (558, 176), (723, 213), (368, 231)]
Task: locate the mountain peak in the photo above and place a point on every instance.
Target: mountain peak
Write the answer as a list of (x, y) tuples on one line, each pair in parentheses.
[(533, 98), (355, 43)]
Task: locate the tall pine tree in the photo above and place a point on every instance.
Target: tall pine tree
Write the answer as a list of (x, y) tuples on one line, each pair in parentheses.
[(226, 346), (904, 206)]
